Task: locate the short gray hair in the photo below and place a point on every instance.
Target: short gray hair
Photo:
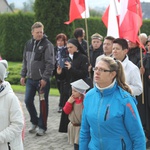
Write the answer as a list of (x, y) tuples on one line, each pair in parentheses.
[(37, 25)]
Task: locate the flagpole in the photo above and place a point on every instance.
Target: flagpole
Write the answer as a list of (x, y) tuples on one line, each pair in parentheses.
[(141, 57), (87, 39)]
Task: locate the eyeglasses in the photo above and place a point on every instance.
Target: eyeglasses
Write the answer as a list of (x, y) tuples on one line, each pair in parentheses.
[(101, 70)]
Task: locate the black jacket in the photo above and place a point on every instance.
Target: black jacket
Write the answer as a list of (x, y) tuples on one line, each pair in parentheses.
[(134, 55), (38, 60), (79, 69)]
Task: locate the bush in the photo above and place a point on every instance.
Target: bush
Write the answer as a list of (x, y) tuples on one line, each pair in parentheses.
[(14, 69), (15, 30), (53, 14), (95, 25)]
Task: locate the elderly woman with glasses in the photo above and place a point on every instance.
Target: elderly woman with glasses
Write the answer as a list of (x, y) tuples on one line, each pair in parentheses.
[(110, 120)]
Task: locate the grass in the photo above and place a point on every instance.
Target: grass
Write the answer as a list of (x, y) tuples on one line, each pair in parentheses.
[(14, 69), (21, 89)]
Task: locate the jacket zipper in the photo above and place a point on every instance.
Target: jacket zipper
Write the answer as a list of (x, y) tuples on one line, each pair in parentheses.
[(106, 113), (123, 144)]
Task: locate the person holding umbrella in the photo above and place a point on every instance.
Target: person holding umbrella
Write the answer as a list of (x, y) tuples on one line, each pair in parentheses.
[(38, 65)]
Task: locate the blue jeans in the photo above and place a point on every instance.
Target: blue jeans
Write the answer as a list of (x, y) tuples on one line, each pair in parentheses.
[(32, 86)]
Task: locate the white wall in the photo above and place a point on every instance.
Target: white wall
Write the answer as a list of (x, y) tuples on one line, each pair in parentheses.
[(4, 7)]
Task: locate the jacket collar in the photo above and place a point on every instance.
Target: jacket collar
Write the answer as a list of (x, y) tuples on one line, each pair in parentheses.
[(108, 90)]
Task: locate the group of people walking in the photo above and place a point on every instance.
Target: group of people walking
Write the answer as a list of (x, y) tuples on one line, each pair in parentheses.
[(100, 90)]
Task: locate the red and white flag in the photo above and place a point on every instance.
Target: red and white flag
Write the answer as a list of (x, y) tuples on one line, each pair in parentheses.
[(78, 9), (111, 20), (126, 15)]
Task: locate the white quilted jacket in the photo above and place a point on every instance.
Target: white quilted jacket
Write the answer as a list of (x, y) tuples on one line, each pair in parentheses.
[(11, 119)]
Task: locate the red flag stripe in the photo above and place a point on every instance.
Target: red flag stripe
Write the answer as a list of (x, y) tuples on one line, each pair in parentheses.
[(129, 19), (77, 7)]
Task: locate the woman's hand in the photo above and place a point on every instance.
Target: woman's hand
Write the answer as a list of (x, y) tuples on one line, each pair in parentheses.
[(142, 70), (89, 68), (67, 65), (59, 70)]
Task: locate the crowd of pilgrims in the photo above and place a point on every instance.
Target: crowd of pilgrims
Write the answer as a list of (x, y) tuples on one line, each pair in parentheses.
[(76, 59)]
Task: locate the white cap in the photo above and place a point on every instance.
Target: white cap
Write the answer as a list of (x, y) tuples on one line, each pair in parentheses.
[(3, 68), (80, 86)]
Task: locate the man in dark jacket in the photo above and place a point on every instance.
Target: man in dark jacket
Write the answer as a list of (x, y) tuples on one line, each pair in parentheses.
[(96, 49), (38, 64)]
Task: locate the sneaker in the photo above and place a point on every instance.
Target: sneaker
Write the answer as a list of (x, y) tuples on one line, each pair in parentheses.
[(40, 132), (32, 129)]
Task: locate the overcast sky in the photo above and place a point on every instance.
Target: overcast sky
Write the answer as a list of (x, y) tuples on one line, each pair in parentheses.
[(91, 3), (103, 3)]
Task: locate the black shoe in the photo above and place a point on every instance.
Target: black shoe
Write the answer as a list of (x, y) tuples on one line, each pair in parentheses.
[(59, 110)]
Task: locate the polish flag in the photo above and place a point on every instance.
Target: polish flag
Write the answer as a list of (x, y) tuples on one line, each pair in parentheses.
[(111, 19), (78, 9), (127, 17)]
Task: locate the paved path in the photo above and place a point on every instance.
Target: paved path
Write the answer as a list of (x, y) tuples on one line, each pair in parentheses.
[(52, 140)]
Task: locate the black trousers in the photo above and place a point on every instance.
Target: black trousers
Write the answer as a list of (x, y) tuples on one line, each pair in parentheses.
[(76, 147)]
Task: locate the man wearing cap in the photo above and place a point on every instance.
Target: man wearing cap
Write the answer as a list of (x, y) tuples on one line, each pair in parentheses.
[(96, 49), (11, 116)]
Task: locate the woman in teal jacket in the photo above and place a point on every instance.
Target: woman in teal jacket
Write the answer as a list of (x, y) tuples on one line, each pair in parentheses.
[(110, 119)]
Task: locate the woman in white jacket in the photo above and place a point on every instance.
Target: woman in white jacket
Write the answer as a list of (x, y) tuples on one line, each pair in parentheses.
[(11, 115)]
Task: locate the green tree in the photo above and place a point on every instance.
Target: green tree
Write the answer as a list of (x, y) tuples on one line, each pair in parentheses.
[(96, 12), (12, 5), (53, 14), (25, 7), (28, 6)]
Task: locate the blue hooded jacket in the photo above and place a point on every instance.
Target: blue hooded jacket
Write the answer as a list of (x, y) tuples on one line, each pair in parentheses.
[(110, 121)]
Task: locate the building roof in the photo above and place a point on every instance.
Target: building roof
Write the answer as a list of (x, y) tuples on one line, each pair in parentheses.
[(5, 7)]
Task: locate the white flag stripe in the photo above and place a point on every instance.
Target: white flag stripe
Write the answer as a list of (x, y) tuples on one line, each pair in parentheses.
[(86, 13), (113, 29), (123, 10)]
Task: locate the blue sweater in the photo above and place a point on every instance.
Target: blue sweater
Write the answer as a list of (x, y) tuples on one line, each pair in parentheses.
[(110, 121)]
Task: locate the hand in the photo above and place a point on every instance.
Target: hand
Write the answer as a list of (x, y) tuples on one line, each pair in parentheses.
[(149, 76), (42, 84), (142, 70), (67, 65), (22, 81), (89, 68), (71, 99), (59, 70)]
